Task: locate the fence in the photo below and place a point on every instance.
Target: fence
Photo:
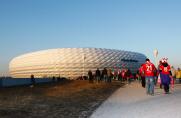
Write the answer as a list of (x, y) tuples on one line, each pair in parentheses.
[(8, 81)]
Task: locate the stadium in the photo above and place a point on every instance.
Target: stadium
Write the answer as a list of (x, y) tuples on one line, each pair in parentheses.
[(72, 62)]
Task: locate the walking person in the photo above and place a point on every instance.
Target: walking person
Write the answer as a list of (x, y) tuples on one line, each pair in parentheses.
[(173, 72), (115, 73), (142, 75), (178, 75), (105, 75), (159, 81), (90, 76), (33, 82), (128, 76), (119, 75), (123, 74), (173, 78), (165, 75), (109, 74), (98, 75), (148, 70), (156, 73), (137, 76)]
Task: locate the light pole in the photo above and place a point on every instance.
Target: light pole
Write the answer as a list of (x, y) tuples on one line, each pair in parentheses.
[(83, 57), (155, 52)]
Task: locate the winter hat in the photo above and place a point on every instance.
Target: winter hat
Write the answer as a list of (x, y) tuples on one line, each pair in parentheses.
[(164, 60)]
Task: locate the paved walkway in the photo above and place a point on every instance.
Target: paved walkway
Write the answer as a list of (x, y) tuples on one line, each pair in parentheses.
[(132, 102)]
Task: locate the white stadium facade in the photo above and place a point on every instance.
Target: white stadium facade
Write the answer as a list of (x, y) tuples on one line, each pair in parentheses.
[(72, 62)]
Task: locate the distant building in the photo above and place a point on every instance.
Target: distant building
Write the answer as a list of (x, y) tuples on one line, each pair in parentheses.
[(72, 62)]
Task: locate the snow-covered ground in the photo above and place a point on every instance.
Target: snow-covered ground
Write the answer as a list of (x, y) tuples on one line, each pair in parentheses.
[(132, 102)]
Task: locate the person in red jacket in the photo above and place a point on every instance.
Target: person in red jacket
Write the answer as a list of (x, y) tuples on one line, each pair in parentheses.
[(165, 74), (141, 73), (149, 70)]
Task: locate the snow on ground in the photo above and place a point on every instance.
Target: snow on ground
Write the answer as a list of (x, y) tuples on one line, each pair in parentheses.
[(133, 102)]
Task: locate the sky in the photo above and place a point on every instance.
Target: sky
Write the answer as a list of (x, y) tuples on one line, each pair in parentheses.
[(131, 25)]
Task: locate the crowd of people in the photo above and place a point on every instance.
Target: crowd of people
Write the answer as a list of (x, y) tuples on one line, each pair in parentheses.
[(164, 75), (148, 74), (108, 74)]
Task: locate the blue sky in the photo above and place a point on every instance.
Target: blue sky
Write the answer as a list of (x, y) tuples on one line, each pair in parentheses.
[(133, 25)]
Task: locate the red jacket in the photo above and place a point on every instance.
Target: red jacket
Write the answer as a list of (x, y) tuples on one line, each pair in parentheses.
[(149, 69), (141, 72), (165, 70)]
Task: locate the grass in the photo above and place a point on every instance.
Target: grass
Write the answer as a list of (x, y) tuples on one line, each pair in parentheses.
[(66, 99)]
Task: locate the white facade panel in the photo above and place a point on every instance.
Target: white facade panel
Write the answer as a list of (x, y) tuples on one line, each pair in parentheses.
[(72, 62)]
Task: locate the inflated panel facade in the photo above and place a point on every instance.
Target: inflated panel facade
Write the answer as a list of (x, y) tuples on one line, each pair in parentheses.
[(72, 62)]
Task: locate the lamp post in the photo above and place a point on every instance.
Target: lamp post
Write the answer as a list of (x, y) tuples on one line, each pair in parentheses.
[(155, 52), (83, 57)]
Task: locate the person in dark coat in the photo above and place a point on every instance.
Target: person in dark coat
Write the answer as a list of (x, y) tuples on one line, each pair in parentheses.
[(105, 76), (32, 80), (128, 76), (90, 75), (109, 75), (98, 75)]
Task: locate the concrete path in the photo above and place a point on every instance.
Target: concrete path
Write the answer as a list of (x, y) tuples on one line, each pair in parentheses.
[(132, 102)]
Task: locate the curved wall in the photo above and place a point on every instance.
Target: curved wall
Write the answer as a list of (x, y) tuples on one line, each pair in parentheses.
[(72, 62)]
